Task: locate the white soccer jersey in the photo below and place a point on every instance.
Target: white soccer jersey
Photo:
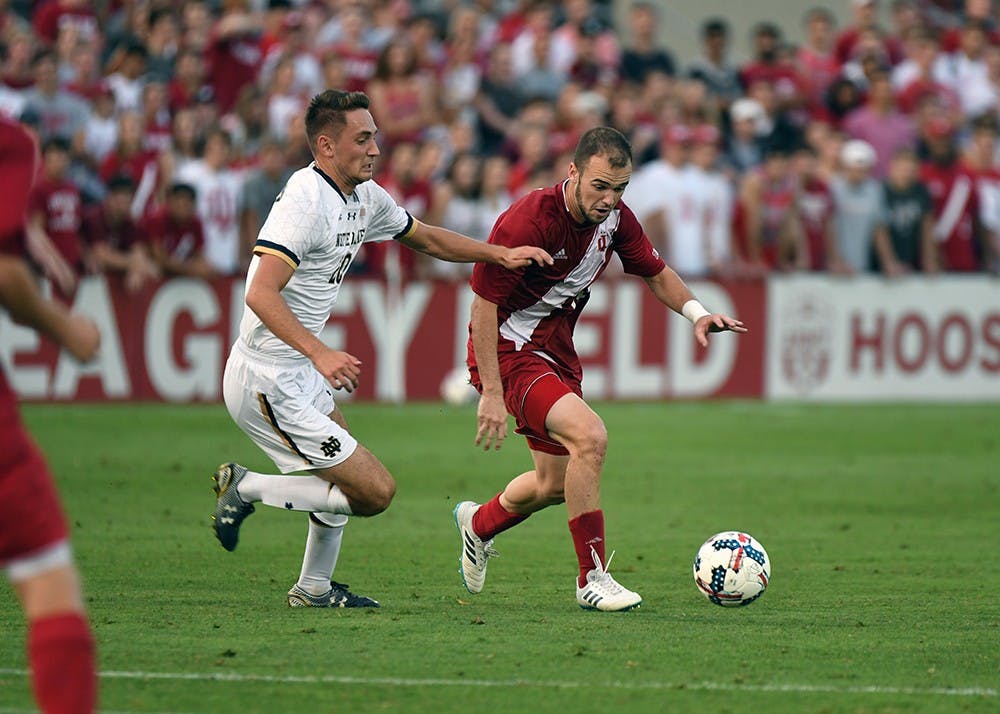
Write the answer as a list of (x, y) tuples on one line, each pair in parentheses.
[(317, 230)]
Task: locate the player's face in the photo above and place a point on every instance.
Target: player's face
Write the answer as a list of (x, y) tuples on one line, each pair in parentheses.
[(597, 189), (355, 148)]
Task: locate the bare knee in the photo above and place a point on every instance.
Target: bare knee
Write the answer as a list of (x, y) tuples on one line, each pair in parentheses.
[(376, 498), (589, 441)]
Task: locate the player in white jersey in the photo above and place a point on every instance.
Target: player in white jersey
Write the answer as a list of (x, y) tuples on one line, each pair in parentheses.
[(279, 375)]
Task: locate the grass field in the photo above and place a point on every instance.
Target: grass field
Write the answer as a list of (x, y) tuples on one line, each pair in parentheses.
[(880, 522)]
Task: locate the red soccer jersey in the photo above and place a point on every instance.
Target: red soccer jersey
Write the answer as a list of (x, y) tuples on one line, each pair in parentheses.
[(59, 203), (537, 307), (956, 205), (181, 241)]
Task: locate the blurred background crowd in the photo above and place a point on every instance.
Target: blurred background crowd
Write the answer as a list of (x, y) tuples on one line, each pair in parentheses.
[(168, 128)]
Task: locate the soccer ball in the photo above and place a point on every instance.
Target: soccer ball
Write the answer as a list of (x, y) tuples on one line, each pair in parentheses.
[(732, 569), (455, 388)]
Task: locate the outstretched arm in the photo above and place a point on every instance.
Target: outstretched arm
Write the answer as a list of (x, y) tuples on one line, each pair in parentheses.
[(492, 414), (672, 292), (457, 248), (340, 369), (19, 294)]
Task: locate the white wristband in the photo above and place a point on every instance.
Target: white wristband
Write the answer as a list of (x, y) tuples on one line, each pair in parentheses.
[(694, 311)]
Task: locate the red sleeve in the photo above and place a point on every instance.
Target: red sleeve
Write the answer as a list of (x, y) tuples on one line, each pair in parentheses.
[(637, 254), (17, 172), (515, 227)]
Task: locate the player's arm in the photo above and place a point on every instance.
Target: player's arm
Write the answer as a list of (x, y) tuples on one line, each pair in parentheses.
[(669, 289), (45, 254), (20, 296), (492, 414), (264, 298), (457, 248)]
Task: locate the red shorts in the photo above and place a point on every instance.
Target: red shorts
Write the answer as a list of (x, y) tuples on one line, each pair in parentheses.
[(531, 385), (30, 515)]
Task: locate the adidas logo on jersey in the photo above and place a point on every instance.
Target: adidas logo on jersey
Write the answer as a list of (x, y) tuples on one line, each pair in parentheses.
[(561, 255)]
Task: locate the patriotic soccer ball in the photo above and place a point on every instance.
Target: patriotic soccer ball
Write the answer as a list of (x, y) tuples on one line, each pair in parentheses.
[(732, 569)]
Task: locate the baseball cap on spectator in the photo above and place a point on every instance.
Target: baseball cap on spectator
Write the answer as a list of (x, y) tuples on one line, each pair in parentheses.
[(705, 134), (857, 153), (676, 134), (939, 128), (746, 108)]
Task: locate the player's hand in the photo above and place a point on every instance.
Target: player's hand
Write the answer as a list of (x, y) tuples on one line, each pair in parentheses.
[(341, 370), (492, 418), (524, 255), (81, 338), (715, 323)]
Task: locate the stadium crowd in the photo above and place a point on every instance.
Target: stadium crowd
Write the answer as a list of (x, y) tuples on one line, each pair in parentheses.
[(168, 128)]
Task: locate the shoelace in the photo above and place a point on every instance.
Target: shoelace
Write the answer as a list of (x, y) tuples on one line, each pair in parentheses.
[(605, 581), (489, 550)]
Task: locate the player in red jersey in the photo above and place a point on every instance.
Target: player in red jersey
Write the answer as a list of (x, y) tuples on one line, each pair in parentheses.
[(521, 355), (34, 550)]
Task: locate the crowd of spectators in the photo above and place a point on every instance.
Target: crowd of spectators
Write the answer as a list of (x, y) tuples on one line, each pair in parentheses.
[(167, 128)]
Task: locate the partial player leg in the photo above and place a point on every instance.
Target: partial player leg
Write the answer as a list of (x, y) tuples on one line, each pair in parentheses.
[(575, 425), (60, 645)]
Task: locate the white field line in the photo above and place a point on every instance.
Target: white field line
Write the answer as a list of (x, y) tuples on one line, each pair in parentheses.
[(540, 684)]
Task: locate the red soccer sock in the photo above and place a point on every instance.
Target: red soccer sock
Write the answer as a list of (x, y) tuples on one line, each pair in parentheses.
[(588, 531), (61, 652), (492, 518)]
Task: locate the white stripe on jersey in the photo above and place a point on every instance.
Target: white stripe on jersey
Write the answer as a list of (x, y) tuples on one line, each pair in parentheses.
[(319, 231), (521, 324)]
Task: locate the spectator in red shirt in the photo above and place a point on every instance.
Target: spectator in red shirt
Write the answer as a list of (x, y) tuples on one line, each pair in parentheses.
[(234, 53), (766, 67), (957, 227), (403, 99), (50, 16), (114, 243), (176, 237), (865, 18), (54, 218), (817, 65), (188, 81), (132, 159)]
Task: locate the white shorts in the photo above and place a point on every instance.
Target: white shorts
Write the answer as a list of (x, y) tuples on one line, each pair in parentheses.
[(285, 406)]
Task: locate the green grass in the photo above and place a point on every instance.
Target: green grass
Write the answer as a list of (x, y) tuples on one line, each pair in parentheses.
[(880, 522)]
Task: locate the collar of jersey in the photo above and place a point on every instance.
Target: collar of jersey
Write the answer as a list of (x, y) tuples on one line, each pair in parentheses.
[(333, 184)]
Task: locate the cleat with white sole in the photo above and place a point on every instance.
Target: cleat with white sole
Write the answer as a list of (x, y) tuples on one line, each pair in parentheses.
[(337, 596), (602, 592), (475, 551)]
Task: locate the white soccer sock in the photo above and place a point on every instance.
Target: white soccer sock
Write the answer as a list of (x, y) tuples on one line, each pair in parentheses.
[(326, 531), (294, 493)]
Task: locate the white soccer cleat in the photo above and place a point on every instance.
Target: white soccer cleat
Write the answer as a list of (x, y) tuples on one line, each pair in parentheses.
[(602, 592), (475, 551)]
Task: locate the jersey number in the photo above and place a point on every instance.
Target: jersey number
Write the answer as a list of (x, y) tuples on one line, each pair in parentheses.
[(341, 271)]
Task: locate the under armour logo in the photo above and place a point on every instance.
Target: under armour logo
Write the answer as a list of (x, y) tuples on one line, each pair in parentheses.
[(598, 539), (231, 509), (289, 506), (227, 520), (352, 215)]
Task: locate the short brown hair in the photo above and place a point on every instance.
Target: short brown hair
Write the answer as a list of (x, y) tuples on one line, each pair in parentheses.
[(603, 141), (326, 112)]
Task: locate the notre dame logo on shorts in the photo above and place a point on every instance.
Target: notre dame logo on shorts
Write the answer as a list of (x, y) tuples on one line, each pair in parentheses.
[(331, 447)]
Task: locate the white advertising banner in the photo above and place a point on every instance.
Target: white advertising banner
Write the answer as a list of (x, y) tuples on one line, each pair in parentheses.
[(870, 338)]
